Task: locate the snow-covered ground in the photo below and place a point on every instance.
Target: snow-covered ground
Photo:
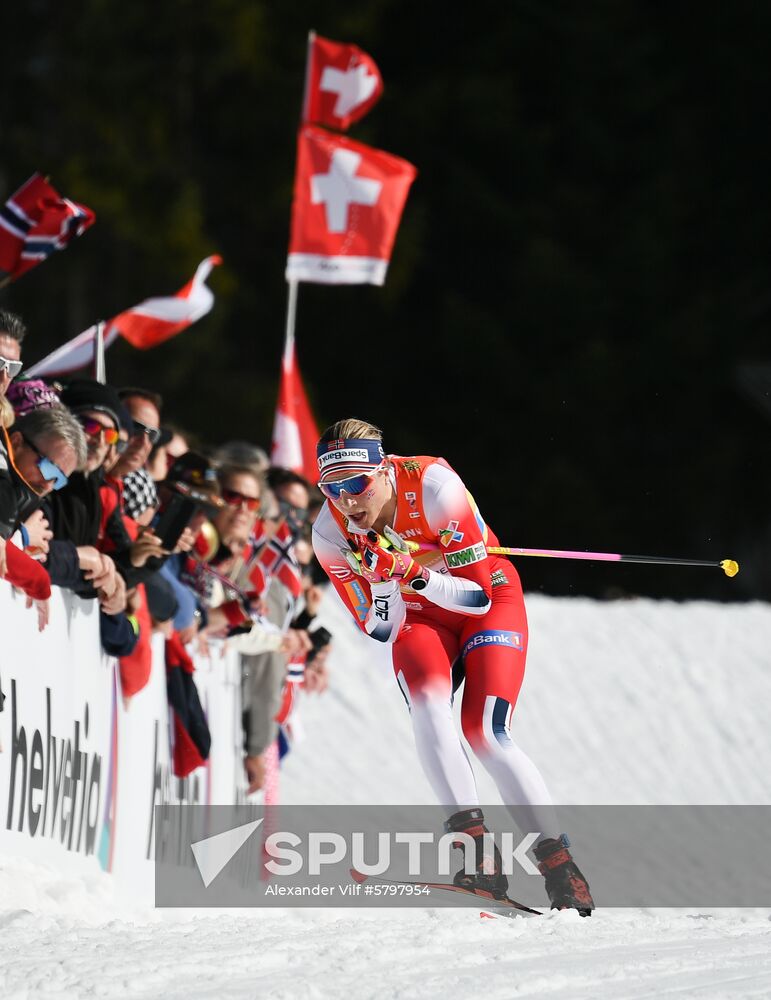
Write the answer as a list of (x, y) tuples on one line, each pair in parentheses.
[(630, 702)]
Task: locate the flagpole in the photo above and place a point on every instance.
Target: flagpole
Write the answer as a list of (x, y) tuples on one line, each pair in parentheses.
[(307, 87), (291, 306), (100, 369), (291, 317)]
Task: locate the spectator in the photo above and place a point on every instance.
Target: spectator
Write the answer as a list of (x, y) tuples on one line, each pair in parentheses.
[(46, 447), (42, 450), (33, 536), (159, 462), (12, 332), (293, 496), (144, 408), (76, 513), (268, 645), (240, 488), (242, 454), (140, 496), (179, 443), (187, 573)]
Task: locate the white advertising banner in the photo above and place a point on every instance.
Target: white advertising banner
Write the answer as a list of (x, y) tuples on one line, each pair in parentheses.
[(80, 771)]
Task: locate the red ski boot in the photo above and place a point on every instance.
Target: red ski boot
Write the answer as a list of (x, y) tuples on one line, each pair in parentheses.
[(565, 885), (488, 876)]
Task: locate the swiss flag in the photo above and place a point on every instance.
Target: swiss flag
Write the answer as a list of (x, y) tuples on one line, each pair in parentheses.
[(148, 324), (348, 200), (35, 221), (343, 83), (294, 431)]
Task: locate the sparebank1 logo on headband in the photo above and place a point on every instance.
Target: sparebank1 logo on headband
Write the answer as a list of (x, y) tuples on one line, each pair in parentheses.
[(344, 455), (361, 451)]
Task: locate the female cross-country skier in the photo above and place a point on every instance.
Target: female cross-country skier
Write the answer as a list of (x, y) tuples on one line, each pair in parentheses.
[(404, 544)]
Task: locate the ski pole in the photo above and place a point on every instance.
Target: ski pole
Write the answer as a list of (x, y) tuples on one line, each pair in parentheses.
[(729, 566)]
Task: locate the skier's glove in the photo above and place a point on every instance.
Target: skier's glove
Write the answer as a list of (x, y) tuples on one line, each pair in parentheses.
[(353, 556), (390, 557)]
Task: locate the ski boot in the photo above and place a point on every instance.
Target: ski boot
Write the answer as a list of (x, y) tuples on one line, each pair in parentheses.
[(488, 876), (565, 885)]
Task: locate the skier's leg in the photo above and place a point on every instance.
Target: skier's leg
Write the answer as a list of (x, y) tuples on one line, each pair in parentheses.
[(422, 661), (494, 650), (423, 657)]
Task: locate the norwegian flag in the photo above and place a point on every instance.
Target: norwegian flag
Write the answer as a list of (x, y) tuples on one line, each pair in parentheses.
[(294, 431), (144, 326), (277, 559), (342, 83), (34, 222), (348, 200)]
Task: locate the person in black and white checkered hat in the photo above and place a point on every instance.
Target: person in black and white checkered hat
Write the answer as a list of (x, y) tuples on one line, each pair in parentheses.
[(139, 495)]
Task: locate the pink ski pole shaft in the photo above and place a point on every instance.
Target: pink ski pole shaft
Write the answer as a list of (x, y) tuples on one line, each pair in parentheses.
[(729, 566)]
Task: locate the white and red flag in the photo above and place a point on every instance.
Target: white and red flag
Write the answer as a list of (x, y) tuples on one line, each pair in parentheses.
[(348, 201), (342, 83), (155, 320), (294, 430), (35, 221), (144, 326)]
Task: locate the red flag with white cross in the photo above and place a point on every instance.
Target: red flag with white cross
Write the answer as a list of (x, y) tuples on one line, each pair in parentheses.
[(348, 201), (343, 83)]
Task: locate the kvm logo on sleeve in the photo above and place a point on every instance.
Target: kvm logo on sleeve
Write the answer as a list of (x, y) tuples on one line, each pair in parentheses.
[(465, 557)]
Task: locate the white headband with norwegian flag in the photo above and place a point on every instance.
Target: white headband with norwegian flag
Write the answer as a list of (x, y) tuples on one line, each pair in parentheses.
[(350, 455)]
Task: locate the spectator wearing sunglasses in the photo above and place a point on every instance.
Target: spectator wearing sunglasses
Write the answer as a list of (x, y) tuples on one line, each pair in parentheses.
[(41, 451), (244, 455), (25, 395), (12, 332), (76, 512), (240, 488), (293, 496), (144, 408), (46, 447)]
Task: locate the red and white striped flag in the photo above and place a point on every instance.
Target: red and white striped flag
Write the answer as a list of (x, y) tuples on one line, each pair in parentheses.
[(144, 326), (35, 221), (155, 320), (294, 430)]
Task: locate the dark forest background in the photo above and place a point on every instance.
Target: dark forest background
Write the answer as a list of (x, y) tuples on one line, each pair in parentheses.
[(581, 271)]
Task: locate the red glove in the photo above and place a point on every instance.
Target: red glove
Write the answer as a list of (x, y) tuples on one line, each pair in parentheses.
[(386, 557)]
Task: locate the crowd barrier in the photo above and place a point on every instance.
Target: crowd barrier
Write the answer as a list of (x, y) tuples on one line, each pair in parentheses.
[(80, 772)]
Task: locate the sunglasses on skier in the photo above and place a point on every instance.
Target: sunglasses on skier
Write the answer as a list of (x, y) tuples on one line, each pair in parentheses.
[(354, 486)]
